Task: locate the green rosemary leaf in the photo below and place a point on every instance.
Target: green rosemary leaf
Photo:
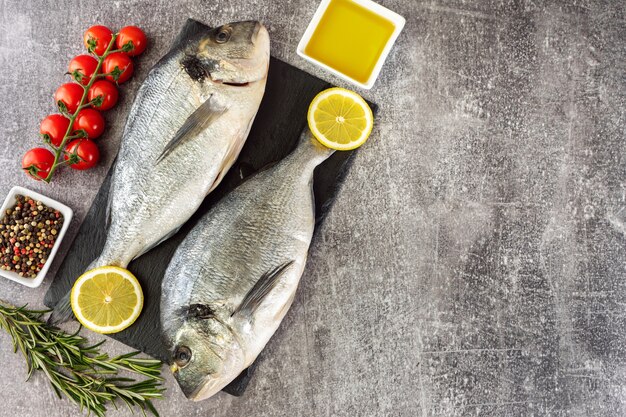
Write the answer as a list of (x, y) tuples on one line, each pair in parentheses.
[(77, 370)]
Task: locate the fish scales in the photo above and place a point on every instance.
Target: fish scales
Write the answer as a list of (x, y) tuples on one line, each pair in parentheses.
[(186, 127), (240, 265)]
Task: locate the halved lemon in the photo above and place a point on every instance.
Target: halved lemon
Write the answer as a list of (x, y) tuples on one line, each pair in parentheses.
[(107, 299), (340, 119)]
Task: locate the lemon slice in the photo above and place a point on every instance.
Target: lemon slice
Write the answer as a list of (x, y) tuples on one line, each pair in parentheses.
[(107, 299), (340, 119)]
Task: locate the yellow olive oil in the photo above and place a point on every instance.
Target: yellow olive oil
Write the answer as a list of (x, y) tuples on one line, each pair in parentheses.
[(350, 38)]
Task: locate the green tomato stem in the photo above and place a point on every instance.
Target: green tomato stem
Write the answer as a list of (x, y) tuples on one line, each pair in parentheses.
[(59, 151)]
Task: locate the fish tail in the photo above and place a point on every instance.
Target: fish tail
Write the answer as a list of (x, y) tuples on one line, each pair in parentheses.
[(62, 311), (311, 149)]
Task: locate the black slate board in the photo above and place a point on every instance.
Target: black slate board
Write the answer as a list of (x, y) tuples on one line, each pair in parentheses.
[(275, 132)]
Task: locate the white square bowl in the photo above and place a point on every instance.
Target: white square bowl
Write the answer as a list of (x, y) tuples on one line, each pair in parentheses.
[(376, 8), (67, 217)]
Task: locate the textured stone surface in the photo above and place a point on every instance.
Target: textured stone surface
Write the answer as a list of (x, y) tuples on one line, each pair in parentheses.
[(474, 261)]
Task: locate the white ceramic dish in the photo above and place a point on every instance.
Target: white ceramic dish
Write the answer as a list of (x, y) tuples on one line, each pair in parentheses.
[(393, 17), (67, 217)]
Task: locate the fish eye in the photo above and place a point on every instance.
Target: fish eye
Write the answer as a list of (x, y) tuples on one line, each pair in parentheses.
[(222, 36), (182, 356)]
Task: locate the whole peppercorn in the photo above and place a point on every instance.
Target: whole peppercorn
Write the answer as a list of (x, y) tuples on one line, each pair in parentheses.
[(27, 235)]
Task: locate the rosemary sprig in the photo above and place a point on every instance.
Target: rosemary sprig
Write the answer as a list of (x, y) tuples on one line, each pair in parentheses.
[(78, 370)]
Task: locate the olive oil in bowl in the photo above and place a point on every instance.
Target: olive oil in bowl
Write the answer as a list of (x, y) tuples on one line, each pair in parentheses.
[(351, 38)]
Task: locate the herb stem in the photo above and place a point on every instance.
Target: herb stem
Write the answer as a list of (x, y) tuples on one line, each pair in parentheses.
[(80, 371)]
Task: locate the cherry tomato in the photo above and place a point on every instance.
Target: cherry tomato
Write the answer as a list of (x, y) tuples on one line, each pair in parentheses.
[(87, 150), (99, 34), (70, 94), (136, 36), (55, 127), (91, 121), (120, 60), (107, 90), (37, 163), (84, 64)]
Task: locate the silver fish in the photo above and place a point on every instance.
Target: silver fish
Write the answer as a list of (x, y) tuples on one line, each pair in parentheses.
[(234, 276), (187, 126)]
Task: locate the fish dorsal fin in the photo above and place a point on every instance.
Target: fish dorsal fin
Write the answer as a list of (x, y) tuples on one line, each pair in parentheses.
[(199, 120), (107, 212), (263, 286)]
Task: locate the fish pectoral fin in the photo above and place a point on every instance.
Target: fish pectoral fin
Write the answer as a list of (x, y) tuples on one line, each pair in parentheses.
[(200, 119), (261, 289)]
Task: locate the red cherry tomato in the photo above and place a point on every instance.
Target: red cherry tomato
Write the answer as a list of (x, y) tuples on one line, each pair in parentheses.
[(120, 60), (70, 94), (84, 64), (100, 35), (55, 127), (37, 163), (107, 90), (136, 36), (91, 121), (86, 150)]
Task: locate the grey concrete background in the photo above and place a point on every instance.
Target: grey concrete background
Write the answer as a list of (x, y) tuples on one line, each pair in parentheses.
[(474, 261)]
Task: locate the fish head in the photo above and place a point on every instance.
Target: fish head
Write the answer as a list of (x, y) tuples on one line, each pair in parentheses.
[(206, 355), (235, 53)]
